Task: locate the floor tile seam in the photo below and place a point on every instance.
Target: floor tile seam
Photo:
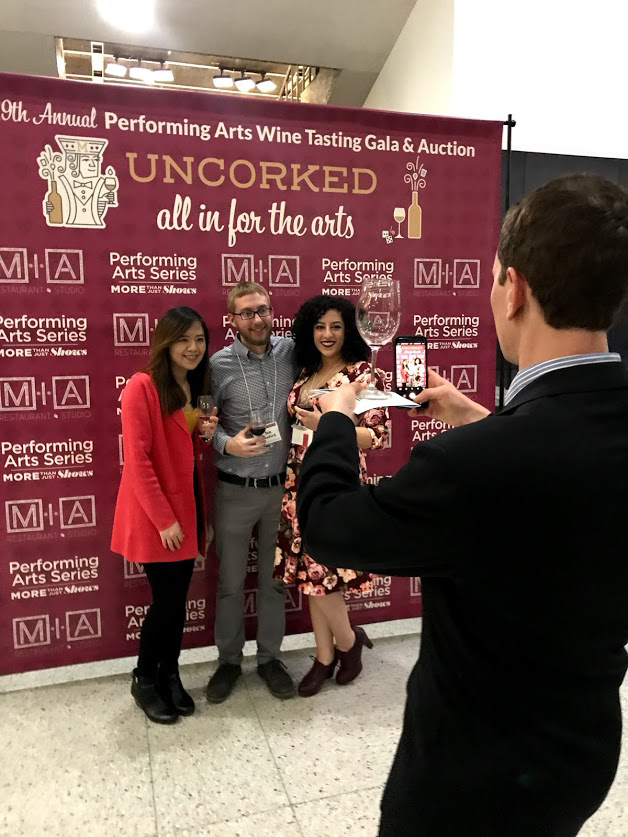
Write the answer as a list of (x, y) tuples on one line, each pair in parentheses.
[(243, 816), (296, 821), (377, 786), (272, 755), (152, 777), (293, 804)]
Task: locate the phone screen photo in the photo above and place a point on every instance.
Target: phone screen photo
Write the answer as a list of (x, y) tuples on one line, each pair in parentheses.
[(410, 364)]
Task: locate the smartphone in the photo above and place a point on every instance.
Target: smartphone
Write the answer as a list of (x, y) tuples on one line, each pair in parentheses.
[(411, 366)]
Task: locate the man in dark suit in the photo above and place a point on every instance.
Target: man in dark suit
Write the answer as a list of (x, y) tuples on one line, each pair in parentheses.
[(516, 524)]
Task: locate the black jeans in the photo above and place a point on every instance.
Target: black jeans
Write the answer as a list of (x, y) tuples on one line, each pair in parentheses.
[(162, 630)]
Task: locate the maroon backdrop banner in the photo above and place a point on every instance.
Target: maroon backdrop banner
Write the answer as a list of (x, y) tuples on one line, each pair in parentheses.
[(119, 203)]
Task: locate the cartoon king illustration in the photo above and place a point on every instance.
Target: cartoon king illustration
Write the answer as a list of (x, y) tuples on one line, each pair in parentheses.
[(79, 195)]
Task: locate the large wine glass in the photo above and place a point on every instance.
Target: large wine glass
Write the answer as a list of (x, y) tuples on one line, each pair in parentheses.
[(377, 316)]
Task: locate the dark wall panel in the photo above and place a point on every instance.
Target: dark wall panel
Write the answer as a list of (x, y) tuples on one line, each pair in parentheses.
[(543, 167), (530, 170)]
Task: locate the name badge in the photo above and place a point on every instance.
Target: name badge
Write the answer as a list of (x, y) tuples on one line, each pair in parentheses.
[(301, 435), (272, 434)]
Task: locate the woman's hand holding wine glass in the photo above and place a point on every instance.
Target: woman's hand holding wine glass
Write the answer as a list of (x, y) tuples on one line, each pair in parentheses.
[(309, 417), (208, 417)]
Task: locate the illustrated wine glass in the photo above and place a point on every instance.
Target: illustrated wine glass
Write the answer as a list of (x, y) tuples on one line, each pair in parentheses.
[(378, 315), (205, 407), (400, 216), (110, 185), (258, 420)]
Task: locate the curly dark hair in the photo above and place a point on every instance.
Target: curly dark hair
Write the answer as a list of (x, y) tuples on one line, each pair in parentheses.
[(309, 358)]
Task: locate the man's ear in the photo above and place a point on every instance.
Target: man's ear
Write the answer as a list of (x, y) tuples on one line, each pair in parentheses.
[(230, 319), (517, 291)]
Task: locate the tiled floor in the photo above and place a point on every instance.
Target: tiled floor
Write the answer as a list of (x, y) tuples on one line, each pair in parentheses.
[(80, 759)]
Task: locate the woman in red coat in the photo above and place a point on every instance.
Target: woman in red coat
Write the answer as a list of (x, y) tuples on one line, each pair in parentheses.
[(160, 518)]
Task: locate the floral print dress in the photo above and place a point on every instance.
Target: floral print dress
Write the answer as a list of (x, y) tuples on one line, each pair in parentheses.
[(292, 564)]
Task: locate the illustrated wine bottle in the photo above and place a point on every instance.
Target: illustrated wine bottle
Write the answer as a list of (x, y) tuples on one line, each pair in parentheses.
[(414, 217), (54, 198)]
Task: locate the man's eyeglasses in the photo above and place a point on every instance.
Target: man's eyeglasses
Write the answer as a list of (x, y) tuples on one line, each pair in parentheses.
[(263, 311)]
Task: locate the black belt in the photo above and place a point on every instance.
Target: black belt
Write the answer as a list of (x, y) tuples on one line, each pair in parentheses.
[(253, 482)]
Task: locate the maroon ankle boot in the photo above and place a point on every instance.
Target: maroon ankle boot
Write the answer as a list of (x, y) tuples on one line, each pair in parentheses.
[(313, 681), (351, 661)]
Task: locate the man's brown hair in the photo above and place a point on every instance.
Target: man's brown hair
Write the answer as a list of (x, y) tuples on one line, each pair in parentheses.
[(244, 289), (569, 239)]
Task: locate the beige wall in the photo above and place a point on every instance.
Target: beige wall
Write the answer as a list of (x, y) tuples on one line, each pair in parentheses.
[(27, 52), (559, 68), (418, 75)]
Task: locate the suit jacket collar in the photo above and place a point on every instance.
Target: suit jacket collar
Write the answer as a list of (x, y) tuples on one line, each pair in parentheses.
[(593, 377)]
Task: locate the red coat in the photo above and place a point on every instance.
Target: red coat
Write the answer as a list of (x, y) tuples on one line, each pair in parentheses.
[(157, 485)]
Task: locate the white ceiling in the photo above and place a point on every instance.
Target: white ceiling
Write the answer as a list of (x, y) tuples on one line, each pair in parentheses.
[(355, 36)]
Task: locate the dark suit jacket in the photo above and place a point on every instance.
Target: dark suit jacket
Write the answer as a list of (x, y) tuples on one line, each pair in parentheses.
[(517, 525)]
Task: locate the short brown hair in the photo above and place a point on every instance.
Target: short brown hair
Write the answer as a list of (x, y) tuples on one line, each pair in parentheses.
[(244, 289), (569, 239)]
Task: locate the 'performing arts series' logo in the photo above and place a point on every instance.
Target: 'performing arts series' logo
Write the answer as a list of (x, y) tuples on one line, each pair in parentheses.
[(79, 195)]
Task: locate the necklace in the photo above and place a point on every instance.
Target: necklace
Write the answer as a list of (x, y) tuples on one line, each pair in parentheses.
[(327, 376)]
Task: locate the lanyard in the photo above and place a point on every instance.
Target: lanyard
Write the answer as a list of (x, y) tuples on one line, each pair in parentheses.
[(246, 383)]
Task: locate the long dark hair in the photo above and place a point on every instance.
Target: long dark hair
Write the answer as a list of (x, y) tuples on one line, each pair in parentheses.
[(308, 357), (170, 328)]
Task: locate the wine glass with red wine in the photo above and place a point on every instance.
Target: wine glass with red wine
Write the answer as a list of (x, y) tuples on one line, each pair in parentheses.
[(258, 420)]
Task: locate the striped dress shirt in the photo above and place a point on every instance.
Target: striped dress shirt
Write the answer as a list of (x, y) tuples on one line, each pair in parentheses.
[(526, 376)]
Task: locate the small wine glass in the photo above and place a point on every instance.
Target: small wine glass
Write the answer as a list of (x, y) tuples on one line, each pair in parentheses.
[(258, 420), (400, 216), (378, 315), (205, 407)]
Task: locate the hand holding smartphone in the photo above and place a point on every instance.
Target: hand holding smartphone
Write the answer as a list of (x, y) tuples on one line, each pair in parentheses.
[(411, 366)]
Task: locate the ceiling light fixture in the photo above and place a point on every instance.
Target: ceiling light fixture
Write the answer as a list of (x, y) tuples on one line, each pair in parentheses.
[(222, 80), (141, 73), (114, 68), (137, 16), (164, 74), (245, 83), (266, 85)]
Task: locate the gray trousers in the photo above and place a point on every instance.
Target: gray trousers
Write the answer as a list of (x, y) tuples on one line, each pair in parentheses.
[(236, 512)]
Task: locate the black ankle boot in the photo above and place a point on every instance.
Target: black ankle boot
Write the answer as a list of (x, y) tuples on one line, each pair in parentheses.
[(171, 688), (150, 701)]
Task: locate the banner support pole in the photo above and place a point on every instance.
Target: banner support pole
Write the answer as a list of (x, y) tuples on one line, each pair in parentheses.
[(509, 124)]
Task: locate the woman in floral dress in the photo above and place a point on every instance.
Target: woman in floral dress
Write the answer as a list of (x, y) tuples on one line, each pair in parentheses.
[(331, 352)]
